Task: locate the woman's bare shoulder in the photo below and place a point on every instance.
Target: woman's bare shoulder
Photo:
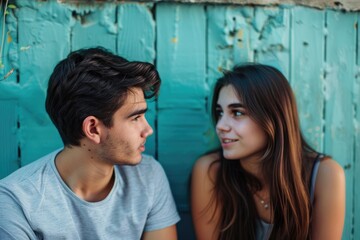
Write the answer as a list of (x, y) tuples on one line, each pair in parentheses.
[(208, 163), (329, 204), (204, 207), (208, 159), (329, 167), (207, 166), (330, 175)]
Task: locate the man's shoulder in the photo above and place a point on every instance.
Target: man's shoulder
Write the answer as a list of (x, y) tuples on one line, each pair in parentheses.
[(27, 186), (148, 160), (28, 172), (147, 163), (148, 169)]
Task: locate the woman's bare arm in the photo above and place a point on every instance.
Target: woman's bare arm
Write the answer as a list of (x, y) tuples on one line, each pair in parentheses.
[(202, 185), (329, 202)]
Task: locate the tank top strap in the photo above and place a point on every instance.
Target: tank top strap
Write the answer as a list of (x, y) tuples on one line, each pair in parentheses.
[(314, 173)]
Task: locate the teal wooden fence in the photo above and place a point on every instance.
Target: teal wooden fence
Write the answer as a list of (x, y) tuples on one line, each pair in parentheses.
[(318, 50)]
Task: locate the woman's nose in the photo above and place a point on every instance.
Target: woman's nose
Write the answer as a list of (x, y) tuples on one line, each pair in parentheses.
[(222, 124)]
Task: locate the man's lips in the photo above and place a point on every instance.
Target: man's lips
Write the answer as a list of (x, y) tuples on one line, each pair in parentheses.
[(142, 146)]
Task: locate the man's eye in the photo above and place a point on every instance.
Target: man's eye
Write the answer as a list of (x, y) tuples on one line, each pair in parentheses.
[(136, 118)]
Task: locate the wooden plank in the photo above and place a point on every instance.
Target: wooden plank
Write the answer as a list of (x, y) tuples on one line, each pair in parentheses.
[(181, 106), (9, 55), (94, 26), (9, 91), (228, 38), (356, 101), (139, 45), (339, 118), (270, 38), (8, 138), (181, 54), (182, 139), (136, 27), (307, 61), (40, 50)]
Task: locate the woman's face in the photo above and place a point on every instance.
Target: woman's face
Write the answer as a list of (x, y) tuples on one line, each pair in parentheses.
[(241, 138)]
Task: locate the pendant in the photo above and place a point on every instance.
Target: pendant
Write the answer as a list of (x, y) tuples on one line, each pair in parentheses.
[(266, 205)]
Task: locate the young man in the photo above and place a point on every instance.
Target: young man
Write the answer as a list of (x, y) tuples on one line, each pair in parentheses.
[(99, 186)]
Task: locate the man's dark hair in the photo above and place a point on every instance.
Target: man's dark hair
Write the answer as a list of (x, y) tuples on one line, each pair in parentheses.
[(94, 82)]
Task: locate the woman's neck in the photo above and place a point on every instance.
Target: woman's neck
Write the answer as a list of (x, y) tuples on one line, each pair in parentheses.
[(253, 165)]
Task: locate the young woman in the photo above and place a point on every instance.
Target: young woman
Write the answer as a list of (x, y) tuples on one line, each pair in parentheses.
[(265, 182)]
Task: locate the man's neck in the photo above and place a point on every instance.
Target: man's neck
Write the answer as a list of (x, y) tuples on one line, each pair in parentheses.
[(89, 178)]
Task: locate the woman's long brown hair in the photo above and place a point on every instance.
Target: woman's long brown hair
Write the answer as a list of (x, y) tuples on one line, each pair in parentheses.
[(270, 102)]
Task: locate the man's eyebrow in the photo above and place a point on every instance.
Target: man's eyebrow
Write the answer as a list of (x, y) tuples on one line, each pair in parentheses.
[(137, 112)]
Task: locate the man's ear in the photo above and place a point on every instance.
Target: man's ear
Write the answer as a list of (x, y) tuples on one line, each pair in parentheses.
[(92, 129)]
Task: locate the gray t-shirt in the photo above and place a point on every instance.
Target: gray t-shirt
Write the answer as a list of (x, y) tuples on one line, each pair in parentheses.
[(35, 203)]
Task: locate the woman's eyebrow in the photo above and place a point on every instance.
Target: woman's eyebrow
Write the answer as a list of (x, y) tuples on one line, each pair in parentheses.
[(232, 105), (236, 105)]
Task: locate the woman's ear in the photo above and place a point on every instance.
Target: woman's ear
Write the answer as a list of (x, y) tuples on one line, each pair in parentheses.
[(92, 129)]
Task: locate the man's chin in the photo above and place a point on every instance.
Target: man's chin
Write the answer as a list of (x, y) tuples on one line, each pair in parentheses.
[(133, 162)]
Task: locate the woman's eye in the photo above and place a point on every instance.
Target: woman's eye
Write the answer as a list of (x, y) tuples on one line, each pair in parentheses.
[(219, 113), (238, 113)]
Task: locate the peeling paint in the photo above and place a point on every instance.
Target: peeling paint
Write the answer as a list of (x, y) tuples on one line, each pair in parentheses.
[(9, 58), (8, 74), (25, 48), (330, 74), (139, 17), (175, 38), (9, 38), (356, 103), (90, 15), (348, 5), (107, 22), (195, 43)]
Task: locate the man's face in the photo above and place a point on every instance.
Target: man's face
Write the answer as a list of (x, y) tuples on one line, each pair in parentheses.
[(124, 142)]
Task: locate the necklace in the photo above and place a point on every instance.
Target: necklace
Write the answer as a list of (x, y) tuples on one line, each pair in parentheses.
[(264, 203)]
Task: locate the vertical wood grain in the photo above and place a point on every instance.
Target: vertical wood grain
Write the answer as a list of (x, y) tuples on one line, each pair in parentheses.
[(9, 95), (94, 26), (356, 102), (270, 37), (307, 71), (339, 115), (182, 119), (181, 106), (191, 44), (44, 40), (228, 43), (8, 137)]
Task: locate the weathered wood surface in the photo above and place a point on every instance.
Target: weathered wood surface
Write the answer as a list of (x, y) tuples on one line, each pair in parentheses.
[(191, 44)]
